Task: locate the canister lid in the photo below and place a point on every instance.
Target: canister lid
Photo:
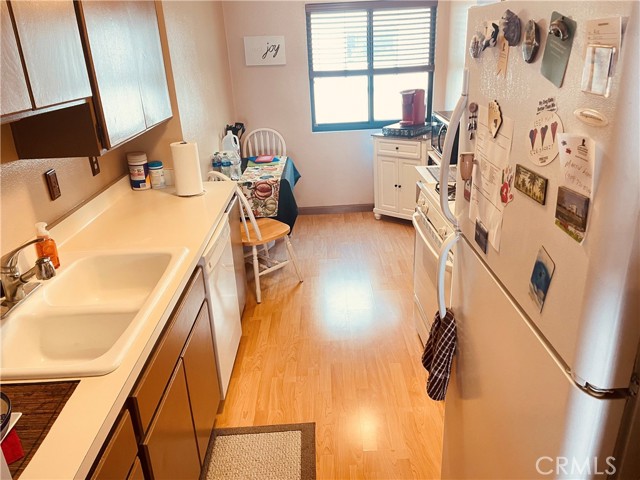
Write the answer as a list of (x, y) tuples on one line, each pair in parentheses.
[(155, 164), (136, 158)]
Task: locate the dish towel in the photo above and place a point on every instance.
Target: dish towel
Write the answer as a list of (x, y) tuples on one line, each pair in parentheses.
[(438, 354)]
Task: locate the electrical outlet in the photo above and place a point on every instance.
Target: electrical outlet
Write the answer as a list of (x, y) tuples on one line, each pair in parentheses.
[(95, 166), (52, 183)]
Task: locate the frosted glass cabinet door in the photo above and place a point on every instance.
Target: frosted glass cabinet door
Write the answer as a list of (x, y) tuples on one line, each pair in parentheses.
[(50, 41), (110, 42), (148, 51), (15, 94)]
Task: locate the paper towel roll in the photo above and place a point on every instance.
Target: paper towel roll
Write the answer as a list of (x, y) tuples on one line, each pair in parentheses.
[(186, 169)]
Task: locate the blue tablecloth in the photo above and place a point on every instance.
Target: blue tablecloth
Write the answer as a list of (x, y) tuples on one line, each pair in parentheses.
[(287, 206)]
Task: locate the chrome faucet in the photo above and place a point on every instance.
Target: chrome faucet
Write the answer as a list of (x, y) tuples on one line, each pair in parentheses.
[(16, 285)]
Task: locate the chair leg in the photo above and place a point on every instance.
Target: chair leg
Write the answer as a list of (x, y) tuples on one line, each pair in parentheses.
[(256, 273), (293, 257)]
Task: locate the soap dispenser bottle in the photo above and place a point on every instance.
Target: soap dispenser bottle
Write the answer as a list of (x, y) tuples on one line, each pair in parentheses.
[(47, 247)]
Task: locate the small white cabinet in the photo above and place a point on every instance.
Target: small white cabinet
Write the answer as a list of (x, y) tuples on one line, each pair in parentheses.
[(395, 175)]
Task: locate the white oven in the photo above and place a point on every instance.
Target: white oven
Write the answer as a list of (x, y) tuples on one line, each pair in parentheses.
[(431, 230)]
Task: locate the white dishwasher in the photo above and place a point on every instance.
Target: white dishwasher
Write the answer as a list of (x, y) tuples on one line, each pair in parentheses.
[(225, 316)]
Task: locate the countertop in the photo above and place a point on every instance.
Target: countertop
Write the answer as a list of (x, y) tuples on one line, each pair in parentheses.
[(120, 219)]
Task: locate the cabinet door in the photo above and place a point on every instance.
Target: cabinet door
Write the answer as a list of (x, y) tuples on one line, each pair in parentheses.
[(120, 453), (202, 379), (408, 176), (170, 445), (113, 59), (50, 41), (148, 51), (387, 184), (14, 90)]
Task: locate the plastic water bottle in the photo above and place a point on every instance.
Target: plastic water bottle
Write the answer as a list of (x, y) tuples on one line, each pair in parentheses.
[(236, 170), (216, 162), (226, 165)]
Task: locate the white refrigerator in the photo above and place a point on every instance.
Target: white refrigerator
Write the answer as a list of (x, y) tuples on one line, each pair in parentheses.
[(543, 382)]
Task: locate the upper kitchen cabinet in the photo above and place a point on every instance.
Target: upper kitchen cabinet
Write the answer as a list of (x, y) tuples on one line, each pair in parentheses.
[(123, 55), (52, 67), (122, 40)]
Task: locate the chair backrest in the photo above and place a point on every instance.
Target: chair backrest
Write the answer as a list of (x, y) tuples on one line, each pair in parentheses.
[(264, 141), (245, 207)]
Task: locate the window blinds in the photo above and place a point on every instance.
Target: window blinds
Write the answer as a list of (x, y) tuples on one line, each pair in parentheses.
[(399, 37)]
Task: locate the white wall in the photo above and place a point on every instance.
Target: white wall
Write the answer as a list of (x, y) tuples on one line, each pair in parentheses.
[(451, 28), (336, 167)]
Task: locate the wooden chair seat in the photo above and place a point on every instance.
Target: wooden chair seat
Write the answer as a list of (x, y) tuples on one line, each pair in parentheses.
[(259, 232), (269, 228)]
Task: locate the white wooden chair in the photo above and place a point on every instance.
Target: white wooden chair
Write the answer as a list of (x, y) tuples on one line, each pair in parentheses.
[(264, 141), (259, 232)]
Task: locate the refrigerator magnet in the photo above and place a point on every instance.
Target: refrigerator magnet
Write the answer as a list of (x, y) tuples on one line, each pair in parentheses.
[(558, 48), (510, 25), (572, 213), (531, 184), (506, 194), (531, 41), (482, 236), (541, 277), (494, 118), (542, 141)]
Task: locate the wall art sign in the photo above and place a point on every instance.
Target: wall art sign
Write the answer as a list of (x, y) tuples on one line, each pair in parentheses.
[(264, 50)]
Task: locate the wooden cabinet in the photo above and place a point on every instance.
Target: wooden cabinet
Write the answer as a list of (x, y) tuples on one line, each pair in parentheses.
[(120, 453), (130, 95), (395, 175), (123, 44), (49, 41), (170, 445), (202, 379), (175, 401)]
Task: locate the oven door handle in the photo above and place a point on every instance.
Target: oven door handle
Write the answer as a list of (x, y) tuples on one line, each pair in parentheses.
[(449, 242)]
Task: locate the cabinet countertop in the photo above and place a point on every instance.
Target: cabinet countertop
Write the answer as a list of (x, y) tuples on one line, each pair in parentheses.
[(119, 219)]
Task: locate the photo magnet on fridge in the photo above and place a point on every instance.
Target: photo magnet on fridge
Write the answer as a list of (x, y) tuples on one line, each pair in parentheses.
[(541, 277), (482, 236), (531, 184), (572, 212)]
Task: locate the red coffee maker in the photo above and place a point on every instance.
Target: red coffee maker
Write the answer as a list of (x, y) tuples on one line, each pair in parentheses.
[(413, 107)]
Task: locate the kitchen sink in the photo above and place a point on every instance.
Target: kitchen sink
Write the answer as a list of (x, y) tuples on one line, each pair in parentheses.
[(83, 321)]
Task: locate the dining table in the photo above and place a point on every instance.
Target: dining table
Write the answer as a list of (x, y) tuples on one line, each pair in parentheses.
[(268, 185)]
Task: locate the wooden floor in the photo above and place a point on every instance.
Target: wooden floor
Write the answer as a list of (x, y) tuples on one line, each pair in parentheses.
[(341, 350)]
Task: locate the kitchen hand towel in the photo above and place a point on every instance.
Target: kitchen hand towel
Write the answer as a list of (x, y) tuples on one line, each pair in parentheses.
[(186, 169), (438, 354)]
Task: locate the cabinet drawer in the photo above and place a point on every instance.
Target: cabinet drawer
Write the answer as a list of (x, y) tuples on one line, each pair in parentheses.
[(397, 148), (153, 381)]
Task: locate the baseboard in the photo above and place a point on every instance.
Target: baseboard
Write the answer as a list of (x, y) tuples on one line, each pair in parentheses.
[(368, 207)]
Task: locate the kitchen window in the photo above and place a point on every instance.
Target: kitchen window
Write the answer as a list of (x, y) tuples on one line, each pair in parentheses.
[(361, 55)]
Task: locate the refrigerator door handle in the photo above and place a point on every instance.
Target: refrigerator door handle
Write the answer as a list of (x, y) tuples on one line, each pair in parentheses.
[(448, 243), (454, 125)]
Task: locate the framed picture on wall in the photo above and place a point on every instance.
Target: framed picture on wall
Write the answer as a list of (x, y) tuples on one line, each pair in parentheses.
[(263, 50)]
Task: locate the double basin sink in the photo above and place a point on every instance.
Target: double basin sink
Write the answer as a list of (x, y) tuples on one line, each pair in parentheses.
[(83, 321)]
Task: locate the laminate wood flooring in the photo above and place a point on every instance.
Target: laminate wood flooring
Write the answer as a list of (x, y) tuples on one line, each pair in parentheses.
[(341, 350)]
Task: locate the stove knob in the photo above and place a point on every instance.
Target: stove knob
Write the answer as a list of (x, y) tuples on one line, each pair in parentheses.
[(442, 231), (425, 208)]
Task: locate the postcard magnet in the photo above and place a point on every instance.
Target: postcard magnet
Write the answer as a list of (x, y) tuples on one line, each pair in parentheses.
[(541, 276), (482, 236), (531, 184), (572, 212)]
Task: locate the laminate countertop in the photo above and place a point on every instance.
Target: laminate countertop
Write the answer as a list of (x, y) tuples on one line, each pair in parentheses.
[(122, 219)]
